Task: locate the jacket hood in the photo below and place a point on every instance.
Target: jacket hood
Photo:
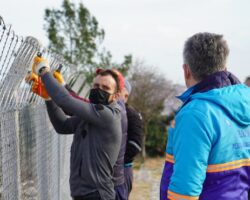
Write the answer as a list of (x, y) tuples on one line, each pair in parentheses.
[(223, 89), (234, 100)]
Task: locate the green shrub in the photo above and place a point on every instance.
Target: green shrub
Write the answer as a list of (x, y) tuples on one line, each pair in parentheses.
[(156, 136)]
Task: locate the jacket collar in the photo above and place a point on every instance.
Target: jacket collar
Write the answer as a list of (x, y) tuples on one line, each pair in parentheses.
[(213, 81)]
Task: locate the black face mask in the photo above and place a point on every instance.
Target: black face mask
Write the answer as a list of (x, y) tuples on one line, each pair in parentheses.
[(99, 96)]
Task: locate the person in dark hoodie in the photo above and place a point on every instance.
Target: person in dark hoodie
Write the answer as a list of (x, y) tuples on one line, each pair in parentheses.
[(96, 127), (208, 150)]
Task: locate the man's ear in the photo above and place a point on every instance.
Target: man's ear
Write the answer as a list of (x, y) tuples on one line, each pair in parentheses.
[(187, 75), (116, 96), (189, 79), (187, 72), (126, 97)]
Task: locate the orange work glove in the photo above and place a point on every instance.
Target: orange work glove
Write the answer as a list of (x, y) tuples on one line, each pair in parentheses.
[(58, 76), (38, 63), (39, 89), (31, 77), (37, 85)]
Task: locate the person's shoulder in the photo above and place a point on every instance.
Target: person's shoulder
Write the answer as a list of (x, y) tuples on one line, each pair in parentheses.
[(130, 108), (196, 107), (196, 104), (131, 111), (114, 107)]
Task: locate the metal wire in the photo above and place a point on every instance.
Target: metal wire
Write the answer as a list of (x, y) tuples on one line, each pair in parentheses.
[(34, 160)]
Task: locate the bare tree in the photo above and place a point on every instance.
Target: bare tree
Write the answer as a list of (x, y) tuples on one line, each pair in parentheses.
[(172, 104), (150, 90)]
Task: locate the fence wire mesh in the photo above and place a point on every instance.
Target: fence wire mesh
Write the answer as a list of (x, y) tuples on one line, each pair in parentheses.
[(34, 159)]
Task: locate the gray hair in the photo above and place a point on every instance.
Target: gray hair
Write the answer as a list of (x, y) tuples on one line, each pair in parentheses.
[(205, 54)]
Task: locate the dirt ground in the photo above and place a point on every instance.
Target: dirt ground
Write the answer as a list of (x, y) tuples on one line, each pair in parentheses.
[(147, 179)]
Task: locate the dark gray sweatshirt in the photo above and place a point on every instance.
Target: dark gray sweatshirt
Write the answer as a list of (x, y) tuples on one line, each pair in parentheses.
[(96, 143)]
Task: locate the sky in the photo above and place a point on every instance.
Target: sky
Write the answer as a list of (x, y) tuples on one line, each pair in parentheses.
[(150, 30)]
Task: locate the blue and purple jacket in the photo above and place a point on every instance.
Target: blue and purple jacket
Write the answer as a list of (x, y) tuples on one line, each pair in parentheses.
[(208, 150)]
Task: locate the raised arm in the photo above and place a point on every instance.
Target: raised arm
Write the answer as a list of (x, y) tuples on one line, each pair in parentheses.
[(61, 123), (96, 114)]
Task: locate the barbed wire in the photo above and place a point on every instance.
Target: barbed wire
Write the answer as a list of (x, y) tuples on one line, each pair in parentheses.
[(32, 155), (16, 55)]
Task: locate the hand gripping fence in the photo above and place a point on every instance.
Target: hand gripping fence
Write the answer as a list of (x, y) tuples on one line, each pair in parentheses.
[(34, 159)]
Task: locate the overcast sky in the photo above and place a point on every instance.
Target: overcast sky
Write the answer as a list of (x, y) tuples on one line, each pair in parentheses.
[(153, 30)]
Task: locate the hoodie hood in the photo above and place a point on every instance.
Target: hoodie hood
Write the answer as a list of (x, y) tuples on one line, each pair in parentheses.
[(224, 90), (234, 100)]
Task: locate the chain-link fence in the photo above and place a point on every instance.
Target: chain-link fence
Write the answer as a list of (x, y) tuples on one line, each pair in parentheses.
[(34, 159)]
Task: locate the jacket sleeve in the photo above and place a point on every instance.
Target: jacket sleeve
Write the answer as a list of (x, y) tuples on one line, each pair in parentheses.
[(75, 95), (96, 114), (192, 142), (135, 134), (61, 123)]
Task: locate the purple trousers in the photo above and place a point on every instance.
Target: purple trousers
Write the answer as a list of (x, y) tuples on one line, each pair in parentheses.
[(120, 192), (128, 178)]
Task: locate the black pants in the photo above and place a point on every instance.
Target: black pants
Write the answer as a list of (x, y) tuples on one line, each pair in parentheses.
[(91, 196)]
